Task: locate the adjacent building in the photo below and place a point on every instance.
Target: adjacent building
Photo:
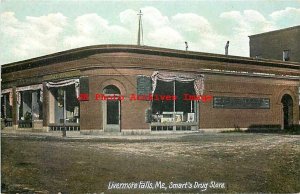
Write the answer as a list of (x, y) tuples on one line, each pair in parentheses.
[(141, 89), (283, 44)]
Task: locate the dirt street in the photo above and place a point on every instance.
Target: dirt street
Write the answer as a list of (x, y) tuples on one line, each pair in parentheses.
[(232, 162)]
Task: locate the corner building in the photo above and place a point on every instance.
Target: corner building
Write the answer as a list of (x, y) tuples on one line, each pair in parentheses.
[(58, 91)]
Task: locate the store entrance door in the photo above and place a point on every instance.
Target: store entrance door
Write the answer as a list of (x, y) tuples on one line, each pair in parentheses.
[(111, 110), (111, 119), (287, 109)]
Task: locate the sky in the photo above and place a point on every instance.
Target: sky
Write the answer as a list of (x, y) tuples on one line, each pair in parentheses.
[(35, 28)]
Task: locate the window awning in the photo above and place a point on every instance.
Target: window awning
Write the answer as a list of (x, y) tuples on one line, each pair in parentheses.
[(27, 88), (62, 83), (31, 87), (198, 80), (5, 91), (65, 83)]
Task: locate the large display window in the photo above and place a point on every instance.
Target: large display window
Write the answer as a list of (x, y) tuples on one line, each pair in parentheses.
[(177, 113), (66, 105), (30, 104), (64, 113), (178, 110)]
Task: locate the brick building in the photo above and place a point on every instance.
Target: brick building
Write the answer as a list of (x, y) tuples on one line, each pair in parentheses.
[(283, 44), (94, 89)]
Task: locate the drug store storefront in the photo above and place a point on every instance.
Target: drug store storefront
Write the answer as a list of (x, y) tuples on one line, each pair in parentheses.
[(44, 93)]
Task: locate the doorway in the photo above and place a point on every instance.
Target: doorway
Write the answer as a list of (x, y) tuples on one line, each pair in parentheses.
[(287, 109), (111, 109)]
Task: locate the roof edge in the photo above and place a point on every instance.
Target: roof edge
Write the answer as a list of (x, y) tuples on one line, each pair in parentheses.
[(111, 48), (275, 31)]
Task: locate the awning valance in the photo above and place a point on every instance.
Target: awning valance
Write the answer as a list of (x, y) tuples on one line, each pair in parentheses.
[(198, 80), (65, 83), (31, 87), (62, 83), (27, 88), (5, 91)]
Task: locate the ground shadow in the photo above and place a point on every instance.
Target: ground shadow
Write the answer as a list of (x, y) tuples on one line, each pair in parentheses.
[(291, 129)]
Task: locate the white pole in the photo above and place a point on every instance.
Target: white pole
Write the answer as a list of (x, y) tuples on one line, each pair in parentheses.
[(64, 113), (174, 92)]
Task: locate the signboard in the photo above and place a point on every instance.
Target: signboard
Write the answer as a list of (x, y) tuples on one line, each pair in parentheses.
[(144, 85), (241, 102), (84, 88)]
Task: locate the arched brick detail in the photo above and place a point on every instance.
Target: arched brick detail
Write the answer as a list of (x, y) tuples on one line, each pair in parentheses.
[(116, 83), (295, 104), (283, 92)]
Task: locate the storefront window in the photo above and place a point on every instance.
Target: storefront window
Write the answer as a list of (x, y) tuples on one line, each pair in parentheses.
[(29, 105), (66, 104), (160, 106), (179, 110), (6, 106)]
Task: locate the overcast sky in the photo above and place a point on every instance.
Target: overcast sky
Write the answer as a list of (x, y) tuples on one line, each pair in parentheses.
[(38, 27)]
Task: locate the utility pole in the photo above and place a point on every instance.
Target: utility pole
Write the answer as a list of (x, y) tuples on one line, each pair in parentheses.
[(140, 29), (64, 131)]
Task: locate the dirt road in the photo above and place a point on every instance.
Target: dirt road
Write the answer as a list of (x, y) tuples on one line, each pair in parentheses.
[(234, 162)]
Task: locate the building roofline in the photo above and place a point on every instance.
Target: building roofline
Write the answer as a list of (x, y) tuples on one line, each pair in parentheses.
[(82, 52), (275, 31)]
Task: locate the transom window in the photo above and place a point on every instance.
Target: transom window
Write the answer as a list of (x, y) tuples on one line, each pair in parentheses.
[(111, 89)]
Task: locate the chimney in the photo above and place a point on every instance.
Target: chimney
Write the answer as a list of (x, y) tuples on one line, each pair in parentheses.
[(186, 46), (226, 48)]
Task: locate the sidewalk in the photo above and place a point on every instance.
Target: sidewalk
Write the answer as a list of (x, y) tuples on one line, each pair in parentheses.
[(77, 135)]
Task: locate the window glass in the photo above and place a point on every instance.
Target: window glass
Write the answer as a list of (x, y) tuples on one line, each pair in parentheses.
[(166, 110)]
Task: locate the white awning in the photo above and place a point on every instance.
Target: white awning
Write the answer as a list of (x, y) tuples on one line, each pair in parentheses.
[(31, 87), (5, 91), (198, 80), (62, 83), (27, 88), (65, 83)]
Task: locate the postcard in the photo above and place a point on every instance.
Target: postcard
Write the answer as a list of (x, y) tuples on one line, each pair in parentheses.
[(163, 96)]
